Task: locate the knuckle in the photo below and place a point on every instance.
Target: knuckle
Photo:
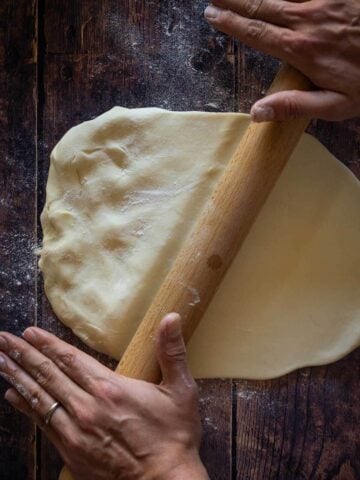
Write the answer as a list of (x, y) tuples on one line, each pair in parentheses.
[(252, 7), (289, 11), (16, 355), (256, 30), (66, 361), (85, 416), (11, 368), (106, 389), (35, 398), (315, 12), (303, 46), (292, 107), (44, 346), (176, 353), (22, 390), (192, 392), (43, 373), (303, 13)]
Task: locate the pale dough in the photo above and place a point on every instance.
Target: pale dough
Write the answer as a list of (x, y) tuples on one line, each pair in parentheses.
[(123, 192)]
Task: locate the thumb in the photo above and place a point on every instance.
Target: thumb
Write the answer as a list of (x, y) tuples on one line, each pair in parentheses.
[(172, 351), (290, 104)]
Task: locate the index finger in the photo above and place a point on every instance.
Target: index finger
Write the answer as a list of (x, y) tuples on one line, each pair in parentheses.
[(77, 365), (278, 12), (271, 39), (31, 362)]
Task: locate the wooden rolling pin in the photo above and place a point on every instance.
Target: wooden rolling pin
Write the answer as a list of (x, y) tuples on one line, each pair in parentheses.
[(219, 232)]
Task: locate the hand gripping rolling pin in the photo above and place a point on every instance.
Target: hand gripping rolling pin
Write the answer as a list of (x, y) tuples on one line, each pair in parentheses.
[(219, 232)]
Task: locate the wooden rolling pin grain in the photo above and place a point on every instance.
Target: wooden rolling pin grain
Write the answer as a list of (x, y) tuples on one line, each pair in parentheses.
[(219, 232), (222, 227)]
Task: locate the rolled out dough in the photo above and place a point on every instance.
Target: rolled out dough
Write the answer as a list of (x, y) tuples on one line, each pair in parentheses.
[(124, 191)]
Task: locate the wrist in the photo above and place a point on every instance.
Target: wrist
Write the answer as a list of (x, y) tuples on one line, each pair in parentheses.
[(194, 470), (182, 467)]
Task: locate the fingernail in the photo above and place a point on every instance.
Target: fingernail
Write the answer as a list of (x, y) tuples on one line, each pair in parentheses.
[(173, 330), (29, 335), (262, 113), (212, 12), (10, 396), (3, 343), (2, 362)]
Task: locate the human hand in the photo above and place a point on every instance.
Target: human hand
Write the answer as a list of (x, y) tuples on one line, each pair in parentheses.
[(108, 426), (321, 38)]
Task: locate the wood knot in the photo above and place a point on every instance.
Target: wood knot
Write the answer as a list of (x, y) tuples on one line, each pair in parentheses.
[(202, 61), (66, 72)]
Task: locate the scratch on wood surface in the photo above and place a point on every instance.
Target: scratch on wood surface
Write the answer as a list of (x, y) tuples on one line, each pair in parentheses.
[(33, 52), (82, 31), (34, 41)]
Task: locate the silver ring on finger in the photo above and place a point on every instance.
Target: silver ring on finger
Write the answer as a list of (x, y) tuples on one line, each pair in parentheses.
[(50, 413)]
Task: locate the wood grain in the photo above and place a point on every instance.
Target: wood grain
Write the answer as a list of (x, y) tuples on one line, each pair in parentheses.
[(300, 426), (91, 56), (17, 212), (216, 410)]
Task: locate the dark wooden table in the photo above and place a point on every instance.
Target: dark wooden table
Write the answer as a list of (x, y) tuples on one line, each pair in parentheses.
[(65, 61)]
